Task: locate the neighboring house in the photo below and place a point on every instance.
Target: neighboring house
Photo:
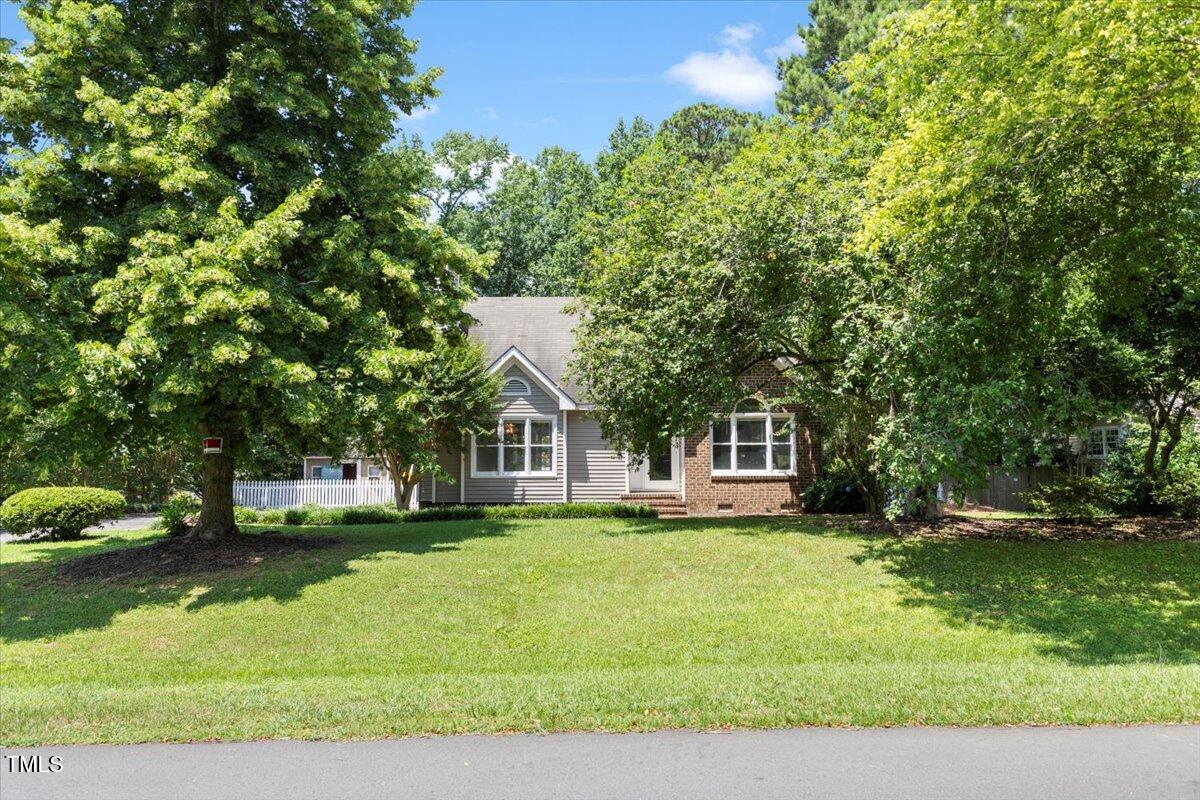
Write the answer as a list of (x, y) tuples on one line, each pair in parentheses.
[(1085, 455), (352, 467), (547, 446)]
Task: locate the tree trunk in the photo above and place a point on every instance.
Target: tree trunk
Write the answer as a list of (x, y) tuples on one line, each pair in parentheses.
[(1149, 461), (923, 504), (404, 481), (216, 509), (409, 484)]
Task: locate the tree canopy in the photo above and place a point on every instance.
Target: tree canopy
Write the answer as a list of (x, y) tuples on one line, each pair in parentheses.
[(985, 237), (811, 81), (203, 231)]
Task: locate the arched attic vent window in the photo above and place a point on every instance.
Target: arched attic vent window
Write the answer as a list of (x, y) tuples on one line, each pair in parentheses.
[(514, 387)]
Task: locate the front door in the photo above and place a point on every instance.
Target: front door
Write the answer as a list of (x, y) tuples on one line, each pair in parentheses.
[(658, 472), (349, 471)]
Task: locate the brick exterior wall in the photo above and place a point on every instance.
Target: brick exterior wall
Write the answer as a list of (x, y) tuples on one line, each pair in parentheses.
[(705, 494)]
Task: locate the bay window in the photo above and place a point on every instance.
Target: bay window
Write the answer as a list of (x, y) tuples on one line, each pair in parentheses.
[(517, 446), (753, 441)]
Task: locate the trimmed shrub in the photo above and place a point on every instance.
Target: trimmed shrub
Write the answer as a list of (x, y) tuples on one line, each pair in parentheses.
[(59, 512), (533, 511), (834, 492), (179, 513), (1072, 497), (385, 514)]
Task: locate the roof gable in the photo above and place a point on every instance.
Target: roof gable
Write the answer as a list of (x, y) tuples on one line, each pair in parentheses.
[(538, 327), (514, 356)]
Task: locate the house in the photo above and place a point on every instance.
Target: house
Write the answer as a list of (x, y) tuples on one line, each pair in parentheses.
[(548, 447), (354, 466), (1084, 454)]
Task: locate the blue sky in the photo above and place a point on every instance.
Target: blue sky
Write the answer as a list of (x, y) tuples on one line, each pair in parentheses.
[(545, 73)]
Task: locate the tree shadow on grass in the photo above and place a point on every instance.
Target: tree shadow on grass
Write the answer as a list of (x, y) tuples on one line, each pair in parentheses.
[(1092, 602), (39, 603), (811, 525)]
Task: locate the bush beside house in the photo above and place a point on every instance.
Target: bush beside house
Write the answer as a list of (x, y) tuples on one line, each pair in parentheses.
[(1121, 488), (379, 515), (59, 512)]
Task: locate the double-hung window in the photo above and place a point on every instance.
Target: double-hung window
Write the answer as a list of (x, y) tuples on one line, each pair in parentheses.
[(517, 446), (1103, 441), (753, 441)]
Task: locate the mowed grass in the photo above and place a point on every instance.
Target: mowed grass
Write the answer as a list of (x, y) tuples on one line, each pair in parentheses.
[(602, 624)]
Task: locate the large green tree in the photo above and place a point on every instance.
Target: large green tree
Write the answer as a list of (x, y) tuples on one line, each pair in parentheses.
[(1002, 184), (1037, 193), (203, 233), (532, 223), (457, 172), (712, 273)]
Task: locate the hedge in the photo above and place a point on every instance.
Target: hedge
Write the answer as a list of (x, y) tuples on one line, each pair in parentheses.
[(374, 515), (59, 512)]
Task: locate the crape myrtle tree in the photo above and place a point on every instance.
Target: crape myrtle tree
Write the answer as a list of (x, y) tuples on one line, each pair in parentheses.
[(202, 231), (424, 403)]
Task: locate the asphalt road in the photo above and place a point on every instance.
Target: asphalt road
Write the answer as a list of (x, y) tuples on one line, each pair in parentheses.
[(1161, 762)]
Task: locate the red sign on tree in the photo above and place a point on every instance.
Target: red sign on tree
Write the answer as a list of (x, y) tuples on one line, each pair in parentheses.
[(212, 445)]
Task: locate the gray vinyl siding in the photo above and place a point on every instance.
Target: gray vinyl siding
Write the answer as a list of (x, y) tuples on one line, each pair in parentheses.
[(447, 491), (596, 471), (521, 489)]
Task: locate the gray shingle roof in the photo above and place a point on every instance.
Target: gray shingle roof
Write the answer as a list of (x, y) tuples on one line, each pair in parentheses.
[(537, 326)]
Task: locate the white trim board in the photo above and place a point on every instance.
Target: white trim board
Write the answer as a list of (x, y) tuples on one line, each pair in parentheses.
[(513, 355)]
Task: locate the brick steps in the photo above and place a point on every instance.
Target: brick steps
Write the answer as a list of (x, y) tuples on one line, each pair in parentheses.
[(667, 504)]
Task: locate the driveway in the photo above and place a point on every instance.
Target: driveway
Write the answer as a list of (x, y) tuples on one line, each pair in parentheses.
[(1162, 762), (130, 522)]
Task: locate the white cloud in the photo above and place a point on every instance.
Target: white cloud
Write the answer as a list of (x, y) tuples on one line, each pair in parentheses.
[(738, 37), (737, 78), (424, 112), (789, 46)]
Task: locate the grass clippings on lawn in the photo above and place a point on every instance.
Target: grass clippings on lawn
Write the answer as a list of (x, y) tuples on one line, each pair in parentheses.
[(180, 556), (489, 625)]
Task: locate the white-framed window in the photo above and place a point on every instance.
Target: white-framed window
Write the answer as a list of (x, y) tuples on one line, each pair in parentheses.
[(515, 387), (520, 446), (1103, 440), (314, 472), (374, 472), (753, 441)]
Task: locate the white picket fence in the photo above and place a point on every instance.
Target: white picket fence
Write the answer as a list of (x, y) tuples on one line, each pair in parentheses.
[(286, 494)]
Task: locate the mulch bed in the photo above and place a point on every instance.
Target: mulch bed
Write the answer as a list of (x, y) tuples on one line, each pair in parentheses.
[(180, 556), (1116, 529)]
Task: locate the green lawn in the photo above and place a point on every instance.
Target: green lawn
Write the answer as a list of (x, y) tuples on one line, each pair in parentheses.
[(612, 624)]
